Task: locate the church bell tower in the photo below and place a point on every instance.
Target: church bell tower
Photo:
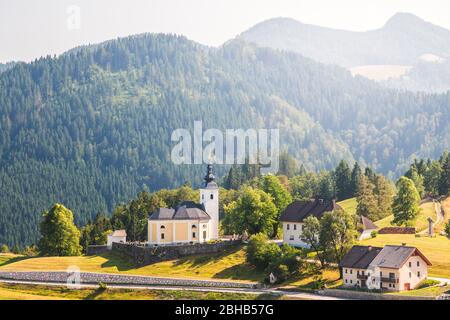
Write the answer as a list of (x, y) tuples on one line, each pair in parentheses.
[(209, 197)]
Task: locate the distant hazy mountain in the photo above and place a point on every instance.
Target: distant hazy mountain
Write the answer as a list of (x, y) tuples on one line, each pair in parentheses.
[(403, 44)]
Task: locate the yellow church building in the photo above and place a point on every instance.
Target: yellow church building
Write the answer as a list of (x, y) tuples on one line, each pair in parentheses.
[(189, 222)]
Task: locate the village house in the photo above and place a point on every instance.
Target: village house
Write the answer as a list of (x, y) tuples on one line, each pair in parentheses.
[(392, 268), (365, 228), (118, 236), (189, 222), (293, 216)]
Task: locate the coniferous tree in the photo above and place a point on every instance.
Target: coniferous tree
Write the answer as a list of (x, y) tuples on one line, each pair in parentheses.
[(356, 174), (342, 178), (367, 202), (406, 203)]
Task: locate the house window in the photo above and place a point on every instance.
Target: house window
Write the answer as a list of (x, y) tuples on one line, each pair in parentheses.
[(346, 270), (162, 236), (287, 227), (410, 264), (357, 272), (381, 274), (418, 274), (418, 263), (410, 275), (346, 281), (291, 238), (393, 285), (162, 227), (212, 197), (204, 235), (351, 281), (295, 227), (194, 226), (194, 235), (351, 271)]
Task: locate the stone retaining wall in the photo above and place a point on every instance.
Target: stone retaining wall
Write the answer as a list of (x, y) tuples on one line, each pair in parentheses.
[(95, 278), (94, 250), (359, 295), (141, 256)]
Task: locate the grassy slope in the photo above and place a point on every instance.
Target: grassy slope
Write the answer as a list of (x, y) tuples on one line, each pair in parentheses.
[(37, 292), (425, 292), (349, 205), (229, 265), (436, 249), (427, 210), (421, 223)]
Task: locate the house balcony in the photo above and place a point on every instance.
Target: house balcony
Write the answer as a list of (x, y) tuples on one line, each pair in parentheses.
[(390, 280), (362, 276)]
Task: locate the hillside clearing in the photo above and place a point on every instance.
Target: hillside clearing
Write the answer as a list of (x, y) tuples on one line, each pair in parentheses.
[(230, 265), (349, 205), (427, 210)]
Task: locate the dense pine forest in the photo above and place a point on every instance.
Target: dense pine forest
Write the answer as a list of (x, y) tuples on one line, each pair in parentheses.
[(91, 128)]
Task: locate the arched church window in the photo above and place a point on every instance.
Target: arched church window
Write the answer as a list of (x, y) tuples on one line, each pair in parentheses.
[(212, 196), (162, 227), (194, 226)]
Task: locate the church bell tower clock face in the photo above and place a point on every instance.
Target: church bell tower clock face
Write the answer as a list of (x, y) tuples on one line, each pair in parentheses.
[(209, 197)]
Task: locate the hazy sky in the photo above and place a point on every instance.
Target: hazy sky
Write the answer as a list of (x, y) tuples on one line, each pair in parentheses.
[(32, 28)]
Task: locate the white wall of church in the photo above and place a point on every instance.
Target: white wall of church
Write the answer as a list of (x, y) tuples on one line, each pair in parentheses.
[(210, 199)]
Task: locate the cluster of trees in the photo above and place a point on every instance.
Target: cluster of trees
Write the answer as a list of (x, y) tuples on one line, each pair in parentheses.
[(332, 236), (374, 197), (80, 128), (431, 177), (282, 262)]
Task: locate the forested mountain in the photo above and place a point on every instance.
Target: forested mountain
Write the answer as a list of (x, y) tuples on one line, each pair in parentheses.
[(404, 42), (6, 66), (92, 127)]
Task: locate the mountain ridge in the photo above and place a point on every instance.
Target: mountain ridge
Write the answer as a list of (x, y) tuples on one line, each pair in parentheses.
[(80, 128)]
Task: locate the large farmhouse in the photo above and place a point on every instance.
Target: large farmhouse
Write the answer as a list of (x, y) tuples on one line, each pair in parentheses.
[(293, 216), (189, 222), (393, 268)]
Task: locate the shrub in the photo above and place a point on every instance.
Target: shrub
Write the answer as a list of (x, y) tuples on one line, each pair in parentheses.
[(260, 252), (318, 283), (4, 249), (102, 286), (427, 283), (30, 251), (447, 228)]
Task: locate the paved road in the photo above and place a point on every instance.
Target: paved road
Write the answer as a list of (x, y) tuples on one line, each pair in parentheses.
[(289, 294)]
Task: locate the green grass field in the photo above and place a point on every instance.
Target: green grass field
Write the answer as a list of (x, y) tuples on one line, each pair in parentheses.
[(425, 292), (436, 249), (421, 223), (229, 265), (38, 292), (349, 205), (427, 210)]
